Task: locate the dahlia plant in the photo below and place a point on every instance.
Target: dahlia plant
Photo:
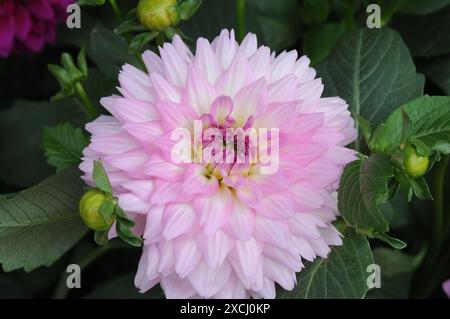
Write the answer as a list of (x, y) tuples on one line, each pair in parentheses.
[(239, 160), (223, 228)]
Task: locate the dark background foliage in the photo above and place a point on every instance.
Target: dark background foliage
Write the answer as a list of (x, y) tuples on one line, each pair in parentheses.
[(312, 27)]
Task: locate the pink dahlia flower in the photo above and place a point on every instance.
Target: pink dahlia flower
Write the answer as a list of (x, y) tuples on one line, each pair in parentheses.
[(224, 229), (27, 25)]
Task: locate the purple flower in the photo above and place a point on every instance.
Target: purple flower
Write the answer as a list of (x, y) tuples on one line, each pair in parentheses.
[(446, 287), (27, 25)]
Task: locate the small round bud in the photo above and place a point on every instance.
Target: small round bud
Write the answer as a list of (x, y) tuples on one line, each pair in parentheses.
[(415, 165), (157, 15), (89, 206)]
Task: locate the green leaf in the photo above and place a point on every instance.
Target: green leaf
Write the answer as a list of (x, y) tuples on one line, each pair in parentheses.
[(106, 210), (365, 127), (342, 275), (109, 51), (69, 65), (374, 177), (38, 225), (101, 178), (397, 211), (138, 42), (393, 242), (439, 72), (320, 42), (82, 63), (426, 35), (421, 148), (315, 12), (122, 216), (99, 85), (124, 227), (421, 189), (373, 71), (188, 8), (126, 234), (63, 145), (364, 186), (101, 237), (429, 122), (22, 162), (129, 26), (269, 19)]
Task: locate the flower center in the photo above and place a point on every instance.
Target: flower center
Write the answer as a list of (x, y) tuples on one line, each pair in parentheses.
[(229, 149)]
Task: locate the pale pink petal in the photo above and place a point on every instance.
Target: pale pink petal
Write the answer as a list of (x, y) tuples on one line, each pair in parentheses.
[(164, 90), (152, 62), (250, 101), (235, 77), (131, 203), (208, 281), (198, 182), (187, 254), (214, 211), (179, 220), (141, 188), (176, 288), (279, 273), (157, 167), (225, 47), (175, 67), (153, 225), (198, 93), (241, 222), (215, 248), (206, 61)]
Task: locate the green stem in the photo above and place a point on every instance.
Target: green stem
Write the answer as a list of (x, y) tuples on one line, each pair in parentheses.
[(84, 98), (240, 15), (116, 10), (438, 193), (62, 291), (426, 277), (160, 39), (127, 36), (349, 15)]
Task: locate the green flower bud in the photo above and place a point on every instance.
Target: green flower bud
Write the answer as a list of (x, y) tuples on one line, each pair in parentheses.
[(415, 165), (157, 15), (69, 65), (89, 210)]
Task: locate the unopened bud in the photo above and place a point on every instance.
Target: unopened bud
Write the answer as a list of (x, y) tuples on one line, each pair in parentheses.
[(89, 210), (157, 15)]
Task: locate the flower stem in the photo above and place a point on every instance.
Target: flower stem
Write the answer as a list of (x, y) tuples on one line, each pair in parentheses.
[(240, 15), (127, 36), (84, 98), (426, 277), (438, 193), (116, 10), (62, 291)]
